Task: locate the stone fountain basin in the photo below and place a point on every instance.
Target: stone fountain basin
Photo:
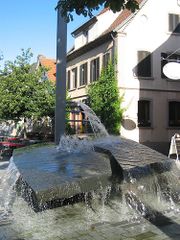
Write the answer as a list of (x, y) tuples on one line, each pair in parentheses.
[(48, 177)]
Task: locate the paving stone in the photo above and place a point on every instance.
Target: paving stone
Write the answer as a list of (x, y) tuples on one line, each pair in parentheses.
[(145, 235)]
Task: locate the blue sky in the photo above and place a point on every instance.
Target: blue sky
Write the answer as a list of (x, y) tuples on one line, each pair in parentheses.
[(31, 24)]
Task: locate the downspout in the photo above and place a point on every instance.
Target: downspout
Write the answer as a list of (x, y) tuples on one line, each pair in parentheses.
[(115, 50)]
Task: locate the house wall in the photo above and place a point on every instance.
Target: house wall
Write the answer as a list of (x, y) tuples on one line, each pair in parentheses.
[(94, 31), (148, 31), (80, 92)]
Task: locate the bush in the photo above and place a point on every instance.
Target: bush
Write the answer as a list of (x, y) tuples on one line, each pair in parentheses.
[(104, 99)]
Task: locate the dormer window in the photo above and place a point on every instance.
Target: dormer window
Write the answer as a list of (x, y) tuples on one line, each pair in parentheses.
[(174, 23), (86, 35)]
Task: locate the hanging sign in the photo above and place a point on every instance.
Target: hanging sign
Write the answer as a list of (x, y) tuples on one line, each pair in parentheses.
[(172, 70)]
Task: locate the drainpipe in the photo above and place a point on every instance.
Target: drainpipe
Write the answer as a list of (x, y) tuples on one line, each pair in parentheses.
[(114, 37), (61, 49)]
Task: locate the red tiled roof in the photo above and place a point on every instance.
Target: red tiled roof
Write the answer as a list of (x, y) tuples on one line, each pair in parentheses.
[(50, 64), (103, 11), (121, 18)]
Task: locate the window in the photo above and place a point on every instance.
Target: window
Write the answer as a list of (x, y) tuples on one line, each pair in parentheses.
[(106, 59), (86, 36), (174, 23), (69, 80), (94, 70), (174, 114), (144, 64), (165, 58), (74, 78), (83, 74), (144, 113), (44, 77)]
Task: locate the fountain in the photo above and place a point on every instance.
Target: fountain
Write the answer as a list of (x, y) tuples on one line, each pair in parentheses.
[(95, 184), (51, 176)]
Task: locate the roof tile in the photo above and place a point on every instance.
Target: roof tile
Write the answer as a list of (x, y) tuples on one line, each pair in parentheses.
[(124, 14), (50, 64)]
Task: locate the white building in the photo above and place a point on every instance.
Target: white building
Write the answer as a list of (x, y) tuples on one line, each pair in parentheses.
[(142, 42)]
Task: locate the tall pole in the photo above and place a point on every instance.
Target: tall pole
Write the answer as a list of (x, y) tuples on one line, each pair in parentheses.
[(60, 110)]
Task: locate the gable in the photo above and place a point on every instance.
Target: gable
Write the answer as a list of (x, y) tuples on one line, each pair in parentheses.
[(50, 65)]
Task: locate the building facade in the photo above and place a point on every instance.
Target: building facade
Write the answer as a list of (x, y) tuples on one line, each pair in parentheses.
[(142, 42)]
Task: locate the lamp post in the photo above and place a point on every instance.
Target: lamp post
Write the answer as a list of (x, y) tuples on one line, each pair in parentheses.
[(60, 109)]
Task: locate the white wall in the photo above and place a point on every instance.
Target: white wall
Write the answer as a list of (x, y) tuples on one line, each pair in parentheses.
[(148, 31), (103, 22), (80, 91)]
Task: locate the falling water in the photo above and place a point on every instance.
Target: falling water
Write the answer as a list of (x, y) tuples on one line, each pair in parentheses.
[(155, 194), (73, 144), (97, 127), (7, 191)]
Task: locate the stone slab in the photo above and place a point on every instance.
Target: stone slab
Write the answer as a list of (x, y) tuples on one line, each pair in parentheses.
[(50, 175), (132, 157)]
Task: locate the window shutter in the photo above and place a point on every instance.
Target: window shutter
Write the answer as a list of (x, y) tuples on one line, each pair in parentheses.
[(74, 77), (144, 64), (94, 71), (69, 80), (85, 73), (174, 23), (106, 58), (91, 71), (144, 113), (174, 114)]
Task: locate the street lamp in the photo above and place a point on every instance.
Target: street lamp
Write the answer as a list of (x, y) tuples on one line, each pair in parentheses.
[(60, 110)]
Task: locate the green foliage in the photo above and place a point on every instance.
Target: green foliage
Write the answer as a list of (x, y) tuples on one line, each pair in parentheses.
[(22, 91), (105, 101), (86, 8)]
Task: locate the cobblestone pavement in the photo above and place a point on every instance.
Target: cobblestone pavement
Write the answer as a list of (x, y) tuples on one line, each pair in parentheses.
[(115, 231), (131, 231)]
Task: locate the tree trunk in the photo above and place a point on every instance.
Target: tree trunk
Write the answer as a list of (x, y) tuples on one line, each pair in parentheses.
[(25, 128)]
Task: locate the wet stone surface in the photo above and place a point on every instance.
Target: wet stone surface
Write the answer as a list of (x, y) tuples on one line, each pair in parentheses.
[(130, 154), (52, 175)]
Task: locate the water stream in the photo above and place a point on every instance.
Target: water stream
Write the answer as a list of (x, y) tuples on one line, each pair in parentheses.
[(97, 127)]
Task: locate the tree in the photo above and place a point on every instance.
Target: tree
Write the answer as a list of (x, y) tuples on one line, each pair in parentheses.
[(105, 101), (86, 8), (23, 93)]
